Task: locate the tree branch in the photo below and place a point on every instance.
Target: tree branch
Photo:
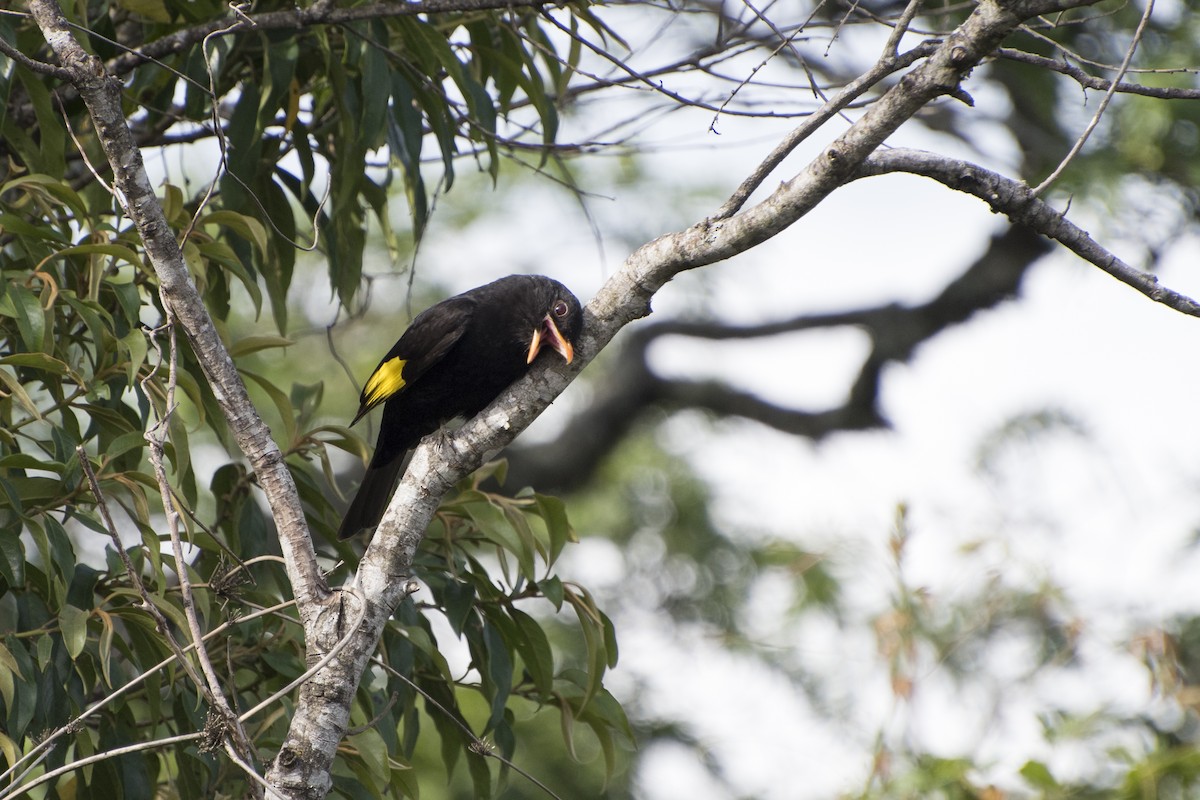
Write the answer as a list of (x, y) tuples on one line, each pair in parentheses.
[(1089, 81), (1016, 201), (33, 65)]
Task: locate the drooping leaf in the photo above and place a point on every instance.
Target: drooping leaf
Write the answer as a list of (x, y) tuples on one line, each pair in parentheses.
[(72, 622)]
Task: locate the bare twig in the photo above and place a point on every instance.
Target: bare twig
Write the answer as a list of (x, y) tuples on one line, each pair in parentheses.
[(160, 621), (1089, 81), (479, 746), (647, 80), (215, 115), (786, 41), (268, 790), (156, 437), (83, 155), (1017, 201), (1108, 95), (889, 62), (32, 64), (321, 664), (107, 754)]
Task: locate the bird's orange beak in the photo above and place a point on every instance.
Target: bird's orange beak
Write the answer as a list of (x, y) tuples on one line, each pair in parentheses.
[(549, 334)]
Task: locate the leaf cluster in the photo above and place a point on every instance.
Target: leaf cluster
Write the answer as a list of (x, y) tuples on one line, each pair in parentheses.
[(314, 124), (84, 663)]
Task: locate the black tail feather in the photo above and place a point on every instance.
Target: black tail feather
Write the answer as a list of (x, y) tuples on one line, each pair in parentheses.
[(367, 507)]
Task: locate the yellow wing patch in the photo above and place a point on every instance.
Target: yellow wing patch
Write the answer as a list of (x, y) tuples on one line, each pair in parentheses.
[(384, 382)]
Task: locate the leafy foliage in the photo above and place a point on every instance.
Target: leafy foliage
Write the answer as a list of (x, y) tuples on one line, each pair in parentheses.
[(315, 125), (83, 629)]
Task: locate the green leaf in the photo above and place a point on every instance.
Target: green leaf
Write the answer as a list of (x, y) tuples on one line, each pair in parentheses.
[(534, 649), (552, 590), (592, 623), (53, 189), (41, 361), (172, 206), (15, 226), (1038, 774), (610, 639), (137, 346), (245, 147), (50, 158), (129, 300), (375, 79), (281, 58), (282, 404), (497, 527), (279, 263), (343, 439), (499, 672), (107, 632), (124, 443), (605, 709), (155, 10), (458, 599), (72, 622), (374, 753), (252, 344), (26, 461), (97, 320), (243, 225), (21, 304), (14, 385), (116, 251), (62, 552), (554, 513), (222, 253), (566, 720), (405, 135), (8, 668), (529, 542), (12, 560)]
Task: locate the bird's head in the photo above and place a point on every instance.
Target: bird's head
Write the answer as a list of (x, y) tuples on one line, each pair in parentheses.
[(560, 323)]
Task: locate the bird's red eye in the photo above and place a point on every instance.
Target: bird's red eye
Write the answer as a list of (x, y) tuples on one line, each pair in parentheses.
[(560, 309)]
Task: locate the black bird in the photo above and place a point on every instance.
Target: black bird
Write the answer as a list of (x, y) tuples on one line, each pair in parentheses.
[(454, 359)]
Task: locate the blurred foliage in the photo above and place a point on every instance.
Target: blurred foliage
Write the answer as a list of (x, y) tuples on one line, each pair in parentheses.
[(330, 124)]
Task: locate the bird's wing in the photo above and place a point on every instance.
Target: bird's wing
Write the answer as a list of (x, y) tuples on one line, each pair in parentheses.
[(425, 343)]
